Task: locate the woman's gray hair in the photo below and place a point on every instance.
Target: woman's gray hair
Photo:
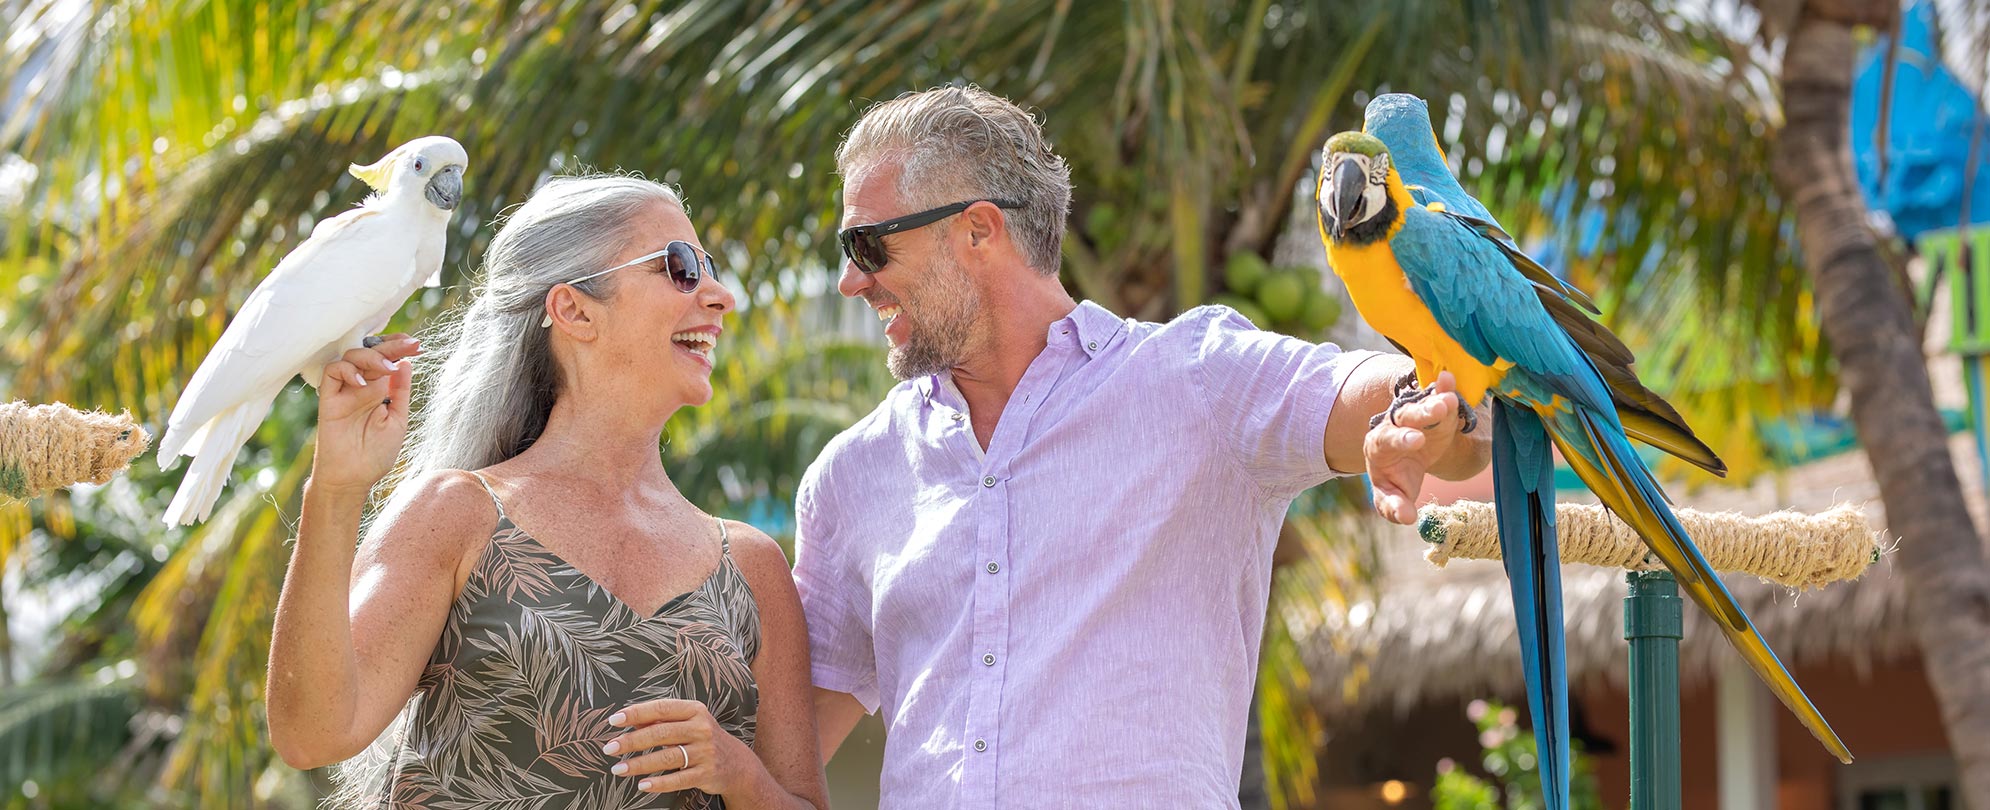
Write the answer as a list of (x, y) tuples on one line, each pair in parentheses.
[(495, 378), (964, 143)]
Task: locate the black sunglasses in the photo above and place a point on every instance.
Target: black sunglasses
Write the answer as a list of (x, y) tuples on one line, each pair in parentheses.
[(863, 245), (687, 265)]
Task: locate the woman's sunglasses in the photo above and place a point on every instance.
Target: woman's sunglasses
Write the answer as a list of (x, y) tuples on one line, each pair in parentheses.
[(863, 245), (686, 265)]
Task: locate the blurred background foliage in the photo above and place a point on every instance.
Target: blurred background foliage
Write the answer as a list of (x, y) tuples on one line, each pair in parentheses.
[(157, 158)]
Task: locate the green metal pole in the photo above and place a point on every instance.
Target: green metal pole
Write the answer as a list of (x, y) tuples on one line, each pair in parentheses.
[(1653, 626)]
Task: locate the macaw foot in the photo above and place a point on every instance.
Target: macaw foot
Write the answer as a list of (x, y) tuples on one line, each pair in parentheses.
[(371, 341), (1409, 393), (1469, 414), (1406, 392)]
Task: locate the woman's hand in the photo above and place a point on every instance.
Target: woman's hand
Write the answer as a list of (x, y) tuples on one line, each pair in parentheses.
[(680, 742), (363, 414)]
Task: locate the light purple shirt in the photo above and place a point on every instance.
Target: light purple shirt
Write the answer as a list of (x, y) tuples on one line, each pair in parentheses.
[(1071, 618)]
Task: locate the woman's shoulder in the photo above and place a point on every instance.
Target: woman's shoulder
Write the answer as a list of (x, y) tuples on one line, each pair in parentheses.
[(446, 513), (758, 556), (753, 549)]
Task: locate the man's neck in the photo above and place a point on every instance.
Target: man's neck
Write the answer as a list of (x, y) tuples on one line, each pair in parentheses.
[(1020, 330)]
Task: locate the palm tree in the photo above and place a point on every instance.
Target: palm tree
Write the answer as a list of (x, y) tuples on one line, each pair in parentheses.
[(177, 150), (1876, 339)]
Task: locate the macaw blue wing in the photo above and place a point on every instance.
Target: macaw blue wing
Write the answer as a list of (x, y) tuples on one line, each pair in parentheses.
[(1483, 301)]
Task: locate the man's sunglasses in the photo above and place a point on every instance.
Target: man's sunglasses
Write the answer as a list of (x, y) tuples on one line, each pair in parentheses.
[(686, 265), (863, 245)]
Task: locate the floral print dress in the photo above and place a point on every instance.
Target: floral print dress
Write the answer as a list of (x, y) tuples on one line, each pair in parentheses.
[(513, 707)]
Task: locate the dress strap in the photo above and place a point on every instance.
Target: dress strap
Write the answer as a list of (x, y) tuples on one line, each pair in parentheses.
[(491, 492), (725, 544)]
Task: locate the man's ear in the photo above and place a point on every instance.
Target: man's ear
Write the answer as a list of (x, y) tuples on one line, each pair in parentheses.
[(983, 221)]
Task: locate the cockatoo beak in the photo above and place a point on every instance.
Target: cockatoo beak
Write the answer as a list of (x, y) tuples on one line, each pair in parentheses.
[(445, 189)]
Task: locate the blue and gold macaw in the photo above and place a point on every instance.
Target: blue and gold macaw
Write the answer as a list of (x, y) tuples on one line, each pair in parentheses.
[(1431, 270)]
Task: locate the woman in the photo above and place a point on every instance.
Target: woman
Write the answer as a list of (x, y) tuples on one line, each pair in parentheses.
[(573, 632)]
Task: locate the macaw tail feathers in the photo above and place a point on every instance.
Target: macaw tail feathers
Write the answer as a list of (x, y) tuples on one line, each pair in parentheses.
[(1524, 496), (1603, 458), (214, 447)]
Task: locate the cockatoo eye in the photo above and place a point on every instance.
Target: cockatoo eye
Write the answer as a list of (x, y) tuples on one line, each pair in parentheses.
[(418, 165)]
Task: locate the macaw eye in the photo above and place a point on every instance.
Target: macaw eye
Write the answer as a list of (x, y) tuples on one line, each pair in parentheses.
[(418, 165)]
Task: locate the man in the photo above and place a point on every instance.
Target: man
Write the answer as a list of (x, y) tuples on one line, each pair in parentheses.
[(1046, 556)]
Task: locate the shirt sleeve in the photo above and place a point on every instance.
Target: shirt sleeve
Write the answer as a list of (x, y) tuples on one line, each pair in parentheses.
[(1269, 396), (841, 655)]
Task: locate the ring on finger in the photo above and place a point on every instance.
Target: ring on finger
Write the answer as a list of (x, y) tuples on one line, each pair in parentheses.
[(687, 758)]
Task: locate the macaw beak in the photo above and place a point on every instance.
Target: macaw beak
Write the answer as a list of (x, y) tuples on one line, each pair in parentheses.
[(1348, 185), (445, 189)]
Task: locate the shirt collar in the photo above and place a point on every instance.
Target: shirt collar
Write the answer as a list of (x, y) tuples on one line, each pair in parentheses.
[(1089, 328)]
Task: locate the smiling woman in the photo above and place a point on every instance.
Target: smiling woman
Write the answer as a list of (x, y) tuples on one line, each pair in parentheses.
[(538, 605)]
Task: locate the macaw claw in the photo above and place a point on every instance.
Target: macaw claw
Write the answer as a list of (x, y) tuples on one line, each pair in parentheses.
[(1409, 393)]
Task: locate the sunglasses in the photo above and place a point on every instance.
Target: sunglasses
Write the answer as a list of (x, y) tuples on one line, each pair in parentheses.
[(686, 265), (863, 245)]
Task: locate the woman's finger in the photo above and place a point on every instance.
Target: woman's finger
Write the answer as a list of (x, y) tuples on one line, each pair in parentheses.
[(677, 732), (370, 362), (662, 760), (339, 375), (661, 710), (398, 389), (675, 781)]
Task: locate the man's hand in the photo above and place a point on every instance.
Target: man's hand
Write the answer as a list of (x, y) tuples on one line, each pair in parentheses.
[(1424, 436)]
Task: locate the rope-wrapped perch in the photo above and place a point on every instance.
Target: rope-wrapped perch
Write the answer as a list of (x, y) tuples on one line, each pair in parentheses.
[(1790, 548), (45, 447)]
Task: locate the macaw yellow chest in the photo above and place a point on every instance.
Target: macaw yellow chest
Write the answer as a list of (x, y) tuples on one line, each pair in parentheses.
[(1383, 296)]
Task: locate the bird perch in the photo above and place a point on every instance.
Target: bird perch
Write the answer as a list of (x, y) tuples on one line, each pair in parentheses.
[(1790, 548), (46, 447)]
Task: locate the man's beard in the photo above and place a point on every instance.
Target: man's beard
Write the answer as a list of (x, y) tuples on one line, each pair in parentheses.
[(937, 337)]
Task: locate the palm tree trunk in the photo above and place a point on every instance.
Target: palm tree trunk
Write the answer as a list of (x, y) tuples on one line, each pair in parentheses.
[(1871, 329)]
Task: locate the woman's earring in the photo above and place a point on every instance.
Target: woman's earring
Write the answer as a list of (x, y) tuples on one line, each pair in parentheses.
[(546, 322)]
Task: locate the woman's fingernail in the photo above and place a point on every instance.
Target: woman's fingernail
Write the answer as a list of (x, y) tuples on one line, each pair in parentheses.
[(617, 718), (643, 785), (620, 768), (387, 364), (612, 747), (359, 379)]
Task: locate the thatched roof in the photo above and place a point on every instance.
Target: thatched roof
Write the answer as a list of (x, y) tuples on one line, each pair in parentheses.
[(1453, 635), (1436, 634)]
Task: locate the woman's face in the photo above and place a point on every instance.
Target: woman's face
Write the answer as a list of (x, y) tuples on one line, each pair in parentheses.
[(652, 330)]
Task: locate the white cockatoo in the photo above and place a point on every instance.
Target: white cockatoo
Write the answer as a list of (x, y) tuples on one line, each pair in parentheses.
[(327, 296)]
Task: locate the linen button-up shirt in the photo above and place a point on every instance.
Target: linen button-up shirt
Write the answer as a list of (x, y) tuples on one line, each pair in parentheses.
[(1071, 617)]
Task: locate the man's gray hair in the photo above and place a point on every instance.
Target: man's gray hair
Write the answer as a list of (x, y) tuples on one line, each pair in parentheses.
[(963, 143)]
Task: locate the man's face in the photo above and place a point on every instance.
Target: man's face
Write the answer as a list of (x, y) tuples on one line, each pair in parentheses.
[(923, 293)]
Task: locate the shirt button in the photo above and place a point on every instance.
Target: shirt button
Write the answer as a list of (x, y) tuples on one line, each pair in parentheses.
[(993, 568), (1094, 345), (958, 417), (980, 745), (988, 658), (988, 481)]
